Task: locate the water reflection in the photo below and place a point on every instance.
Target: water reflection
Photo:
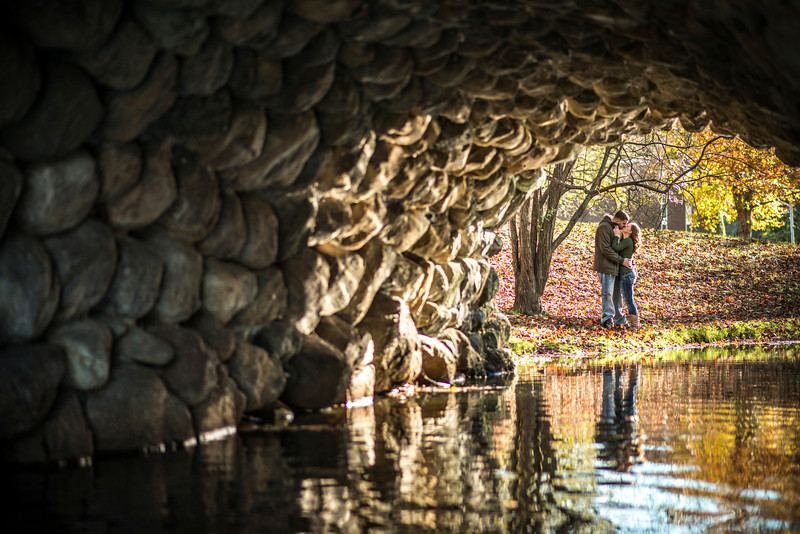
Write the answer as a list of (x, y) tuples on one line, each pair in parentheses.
[(616, 429), (680, 447)]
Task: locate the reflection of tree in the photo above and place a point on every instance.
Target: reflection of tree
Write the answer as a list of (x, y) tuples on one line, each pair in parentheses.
[(533, 461), (617, 428), (746, 420)]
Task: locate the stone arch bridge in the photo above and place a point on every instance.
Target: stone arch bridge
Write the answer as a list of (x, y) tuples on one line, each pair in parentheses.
[(208, 206)]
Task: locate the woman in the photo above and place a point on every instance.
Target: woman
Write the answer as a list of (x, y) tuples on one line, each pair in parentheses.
[(626, 242)]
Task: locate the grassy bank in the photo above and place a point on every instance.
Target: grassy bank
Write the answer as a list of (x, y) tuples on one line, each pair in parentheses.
[(693, 290)]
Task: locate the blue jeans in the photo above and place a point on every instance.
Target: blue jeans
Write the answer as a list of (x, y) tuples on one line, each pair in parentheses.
[(611, 298), (626, 282)]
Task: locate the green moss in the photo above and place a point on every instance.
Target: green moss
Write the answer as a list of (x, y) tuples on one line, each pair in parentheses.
[(522, 346)]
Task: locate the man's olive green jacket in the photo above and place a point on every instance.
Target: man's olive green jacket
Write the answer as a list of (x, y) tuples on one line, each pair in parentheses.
[(606, 260)]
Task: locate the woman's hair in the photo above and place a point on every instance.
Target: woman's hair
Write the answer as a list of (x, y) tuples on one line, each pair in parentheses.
[(636, 236)]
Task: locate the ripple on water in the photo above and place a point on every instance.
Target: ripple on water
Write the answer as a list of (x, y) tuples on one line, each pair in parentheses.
[(681, 447)]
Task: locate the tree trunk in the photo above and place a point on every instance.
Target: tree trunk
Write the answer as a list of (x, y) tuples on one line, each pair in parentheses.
[(527, 297), (743, 202), (745, 220), (532, 244)]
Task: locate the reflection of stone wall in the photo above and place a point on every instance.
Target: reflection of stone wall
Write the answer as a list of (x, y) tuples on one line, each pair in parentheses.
[(207, 205), (442, 464)]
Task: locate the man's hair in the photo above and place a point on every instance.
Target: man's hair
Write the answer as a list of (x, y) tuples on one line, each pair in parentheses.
[(622, 216)]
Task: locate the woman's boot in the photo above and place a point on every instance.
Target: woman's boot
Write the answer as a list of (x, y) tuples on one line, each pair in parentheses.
[(634, 321)]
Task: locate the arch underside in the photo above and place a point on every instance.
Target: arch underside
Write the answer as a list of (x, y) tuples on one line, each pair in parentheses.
[(209, 206)]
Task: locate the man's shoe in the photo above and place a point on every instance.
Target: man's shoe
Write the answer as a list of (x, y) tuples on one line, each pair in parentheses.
[(608, 324)]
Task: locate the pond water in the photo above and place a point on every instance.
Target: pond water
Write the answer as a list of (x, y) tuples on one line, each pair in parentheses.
[(710, 444)]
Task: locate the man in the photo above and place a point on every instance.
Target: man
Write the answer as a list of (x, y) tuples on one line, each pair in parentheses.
[(606, 263)]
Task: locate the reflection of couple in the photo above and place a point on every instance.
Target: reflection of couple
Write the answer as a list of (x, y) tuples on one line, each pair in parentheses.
[(616, 241), (617, 428)]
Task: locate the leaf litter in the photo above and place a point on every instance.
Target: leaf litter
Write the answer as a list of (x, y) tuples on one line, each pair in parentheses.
[(693, 288)]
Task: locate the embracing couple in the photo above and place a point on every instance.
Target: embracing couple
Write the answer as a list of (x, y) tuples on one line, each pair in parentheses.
[(616, 241)]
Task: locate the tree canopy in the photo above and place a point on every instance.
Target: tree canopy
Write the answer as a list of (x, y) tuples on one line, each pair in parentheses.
[(754, 186)]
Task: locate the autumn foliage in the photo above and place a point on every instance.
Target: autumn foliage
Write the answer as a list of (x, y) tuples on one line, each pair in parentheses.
[(750, 186), (688, 282)]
